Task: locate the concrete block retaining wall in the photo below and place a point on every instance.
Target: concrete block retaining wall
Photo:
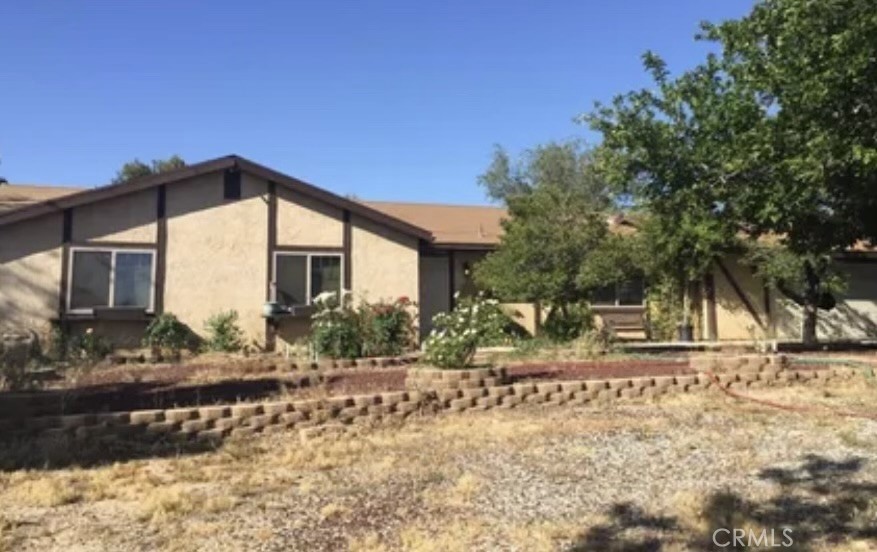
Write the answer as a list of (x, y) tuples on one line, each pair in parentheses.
[(487, 389)]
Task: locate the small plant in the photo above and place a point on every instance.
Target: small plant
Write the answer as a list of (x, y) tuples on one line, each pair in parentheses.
[(166, 332), (223, 332), (387, 328), (89, 347), (568, 323), (335, 327), (457, 334)]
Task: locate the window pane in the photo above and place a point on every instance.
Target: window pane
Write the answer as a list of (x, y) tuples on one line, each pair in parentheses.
[(132, 286), (604, 295), (90, 285), (325, 274), (631, 292), (292, 279)]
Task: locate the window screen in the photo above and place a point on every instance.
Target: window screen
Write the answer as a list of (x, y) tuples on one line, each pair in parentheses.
[(133, 280), (631, 292), (291, 279), (604, 296), (325, 274), (90, 283)]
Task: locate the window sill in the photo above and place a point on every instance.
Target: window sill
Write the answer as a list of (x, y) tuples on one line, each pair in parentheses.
[(618, 308), (115, 314)]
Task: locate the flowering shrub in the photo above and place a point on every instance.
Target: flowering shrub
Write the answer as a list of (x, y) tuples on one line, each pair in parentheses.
[(334, 326), (457, 334), (387, 328), (380, 329)]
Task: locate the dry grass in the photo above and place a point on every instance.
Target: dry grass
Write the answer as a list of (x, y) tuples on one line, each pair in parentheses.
[(436, 484)]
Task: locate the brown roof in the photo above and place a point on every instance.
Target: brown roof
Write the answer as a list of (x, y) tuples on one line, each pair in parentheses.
[(15, 196), (57, 203), (458, 225)]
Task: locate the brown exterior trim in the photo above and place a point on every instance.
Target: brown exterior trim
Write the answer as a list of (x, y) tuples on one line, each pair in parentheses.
[(346, 247), (198, 169), (451, 279), (712, 319), (465, 246), (308, 249), (271, 328), (160, 247), (115, 245), (66, 233), (740, 294), (769, 313), (114, 190)]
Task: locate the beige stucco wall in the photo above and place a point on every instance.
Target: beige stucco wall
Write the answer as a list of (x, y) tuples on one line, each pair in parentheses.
[(127, 218), (216, 252), (30, 273), (733, 318), (385, 262), (302, 221), (854, 317)]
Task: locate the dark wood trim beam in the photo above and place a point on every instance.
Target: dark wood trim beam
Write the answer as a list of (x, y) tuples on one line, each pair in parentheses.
[(115, 244), (712, 319), (768, 312), (740, 294), (346, 251), (160, 247), (452, 277), (270, 327), (66, 235), (308, 249)]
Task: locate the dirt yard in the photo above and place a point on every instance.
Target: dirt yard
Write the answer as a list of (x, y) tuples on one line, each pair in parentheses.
[(635, 477)]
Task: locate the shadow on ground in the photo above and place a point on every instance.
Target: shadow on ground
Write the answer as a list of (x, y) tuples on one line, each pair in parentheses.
[(823, 503)]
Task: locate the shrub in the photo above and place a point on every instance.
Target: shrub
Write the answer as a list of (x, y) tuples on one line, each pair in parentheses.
[(335, 327), (457, 334), (223, 332), (387, 328), (165, 331), (568, 323), (89, 347)]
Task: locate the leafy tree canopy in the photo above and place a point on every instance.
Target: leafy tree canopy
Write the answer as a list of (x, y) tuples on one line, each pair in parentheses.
[(138, 169)]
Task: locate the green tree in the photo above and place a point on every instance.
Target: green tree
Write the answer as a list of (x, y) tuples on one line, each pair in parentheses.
[(138, 169), (671, 149), (567, 165), (812, 69), (774, 136), (557, 224)]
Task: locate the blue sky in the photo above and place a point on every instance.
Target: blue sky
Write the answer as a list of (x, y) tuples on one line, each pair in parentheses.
[(381, 99)]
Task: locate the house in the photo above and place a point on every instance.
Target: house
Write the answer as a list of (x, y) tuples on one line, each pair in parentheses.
[(232, 234)]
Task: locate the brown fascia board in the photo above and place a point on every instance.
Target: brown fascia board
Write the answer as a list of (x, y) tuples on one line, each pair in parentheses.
[(114, 190), (198, 169)]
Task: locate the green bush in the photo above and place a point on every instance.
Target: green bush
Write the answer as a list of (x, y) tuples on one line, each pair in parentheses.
[(89, 347), (474, 322), (387, 328), (166, 332), (223, 332), (568, 323), (335, 328)]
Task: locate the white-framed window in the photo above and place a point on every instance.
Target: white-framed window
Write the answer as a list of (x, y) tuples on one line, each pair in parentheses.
[(110, 277), (301, 276), (630, 293)]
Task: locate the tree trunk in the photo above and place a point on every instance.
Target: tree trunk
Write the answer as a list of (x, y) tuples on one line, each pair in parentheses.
[(808, 325), (811, 304)]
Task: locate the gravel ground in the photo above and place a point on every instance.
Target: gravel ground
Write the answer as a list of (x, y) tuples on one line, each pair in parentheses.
[(643, 476)]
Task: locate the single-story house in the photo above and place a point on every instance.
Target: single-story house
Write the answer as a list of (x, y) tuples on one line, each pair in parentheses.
[(232, 234)]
